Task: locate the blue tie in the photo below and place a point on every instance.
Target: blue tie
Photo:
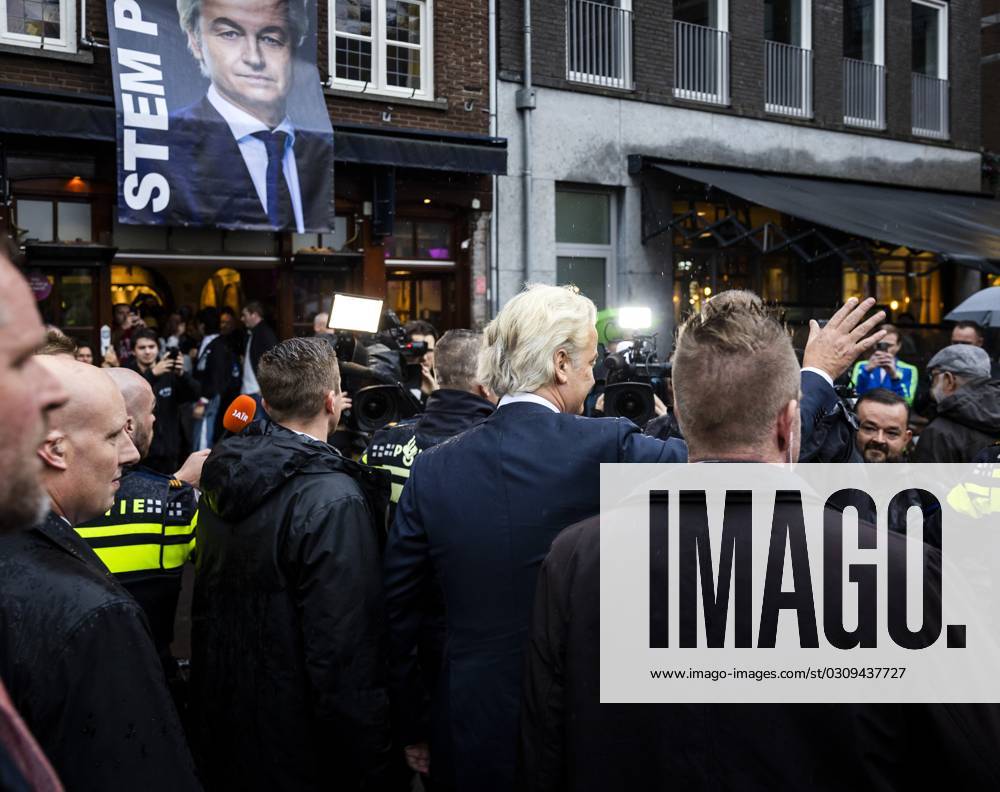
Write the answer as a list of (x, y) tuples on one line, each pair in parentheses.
[(279, 204)]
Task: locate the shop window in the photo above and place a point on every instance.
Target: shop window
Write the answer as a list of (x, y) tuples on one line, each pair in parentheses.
[(909, 287), (334, 240), (383, 46), (53, 221), (39, 24), (431, 299), (66, 299), (584, 234), (312, 294), (423, 241), (223, 288), (130, 283)]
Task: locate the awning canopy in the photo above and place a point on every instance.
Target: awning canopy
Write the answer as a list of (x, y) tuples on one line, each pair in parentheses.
[(416, 149), (93, 118), (965, 228)]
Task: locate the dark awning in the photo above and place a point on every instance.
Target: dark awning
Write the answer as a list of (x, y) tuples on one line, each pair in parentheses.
[(961, 227), (28, 115), (25, 112), (413, 149)]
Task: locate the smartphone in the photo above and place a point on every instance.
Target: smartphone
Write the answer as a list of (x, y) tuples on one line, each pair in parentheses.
[(882, 346)]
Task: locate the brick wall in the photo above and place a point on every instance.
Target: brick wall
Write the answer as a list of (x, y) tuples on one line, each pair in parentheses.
[(653, 61), (991, 77), (461, 72)]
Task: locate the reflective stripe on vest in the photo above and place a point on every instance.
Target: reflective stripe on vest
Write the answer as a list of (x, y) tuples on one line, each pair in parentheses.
[(141, 547)]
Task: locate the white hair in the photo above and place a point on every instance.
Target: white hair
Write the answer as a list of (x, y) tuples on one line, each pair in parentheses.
[(520, 344)]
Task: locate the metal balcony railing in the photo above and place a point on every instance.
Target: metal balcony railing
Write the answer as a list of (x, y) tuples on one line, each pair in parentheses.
[(864, 94), (598, 44), (701, 63), (789, 80), (930, 106)]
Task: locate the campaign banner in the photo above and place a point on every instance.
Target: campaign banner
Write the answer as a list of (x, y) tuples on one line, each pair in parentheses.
[(221, 116), (826, 583)]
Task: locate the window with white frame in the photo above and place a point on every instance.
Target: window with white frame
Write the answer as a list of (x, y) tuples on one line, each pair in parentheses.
[(383, 46), (585, 234), (39, 24), (929, 34), (864, 26)]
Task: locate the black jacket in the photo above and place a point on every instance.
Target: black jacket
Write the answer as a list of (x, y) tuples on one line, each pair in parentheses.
[(262, 339), (478, 514), (570, 742), (171, 391), (288, 632), (448, 413), (217, 369), (966, 422), (79, 664)]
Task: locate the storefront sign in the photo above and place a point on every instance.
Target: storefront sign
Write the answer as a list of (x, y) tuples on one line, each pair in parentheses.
[(221, 116), (41, 286)]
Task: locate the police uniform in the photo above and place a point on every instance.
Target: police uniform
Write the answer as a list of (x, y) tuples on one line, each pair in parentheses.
[(144, 540), (448, 413)]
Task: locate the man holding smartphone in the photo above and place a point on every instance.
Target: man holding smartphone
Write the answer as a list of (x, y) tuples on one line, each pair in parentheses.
[(885, 370), (172, 388)]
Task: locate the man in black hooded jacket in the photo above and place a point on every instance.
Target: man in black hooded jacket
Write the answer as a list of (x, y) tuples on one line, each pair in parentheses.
[(287, 641)]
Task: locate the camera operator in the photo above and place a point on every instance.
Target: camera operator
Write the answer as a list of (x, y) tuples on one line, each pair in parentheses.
[(460, 402), (172, 388)]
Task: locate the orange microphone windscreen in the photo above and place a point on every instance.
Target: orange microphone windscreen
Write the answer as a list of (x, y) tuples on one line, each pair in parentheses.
[(239, 414)]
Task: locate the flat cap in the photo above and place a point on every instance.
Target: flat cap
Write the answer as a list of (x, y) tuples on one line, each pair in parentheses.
[(964, 360)]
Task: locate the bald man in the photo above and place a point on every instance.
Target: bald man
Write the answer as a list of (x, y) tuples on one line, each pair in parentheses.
[(148, 534), (75, 649)]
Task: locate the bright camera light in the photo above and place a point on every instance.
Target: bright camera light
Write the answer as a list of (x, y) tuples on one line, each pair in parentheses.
[(635, 318), (361, 314)]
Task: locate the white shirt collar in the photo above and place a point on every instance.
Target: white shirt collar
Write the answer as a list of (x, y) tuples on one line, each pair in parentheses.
[(306, 434), (240, 122), (514, 398)]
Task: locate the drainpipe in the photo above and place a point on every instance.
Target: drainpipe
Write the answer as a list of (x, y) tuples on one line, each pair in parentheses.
[(494, 131), (525, 102)]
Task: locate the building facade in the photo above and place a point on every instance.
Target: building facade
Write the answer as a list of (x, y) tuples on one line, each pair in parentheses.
[(414, 163), (991, 89), (643, 116)]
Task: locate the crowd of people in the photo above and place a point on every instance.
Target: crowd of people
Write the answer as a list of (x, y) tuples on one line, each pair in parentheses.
[(429, 613)]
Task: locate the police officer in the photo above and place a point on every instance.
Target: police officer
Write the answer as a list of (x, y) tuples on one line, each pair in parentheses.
[(460, 402), (149, 532)]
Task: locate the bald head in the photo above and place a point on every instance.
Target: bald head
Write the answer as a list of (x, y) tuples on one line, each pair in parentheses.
[(140, 404), (87, 444), (90, 389)]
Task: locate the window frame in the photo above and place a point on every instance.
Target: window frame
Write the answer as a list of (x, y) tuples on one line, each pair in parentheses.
[(878, 56), (942, 8), (380, 45), (609, 251), (67, 41)]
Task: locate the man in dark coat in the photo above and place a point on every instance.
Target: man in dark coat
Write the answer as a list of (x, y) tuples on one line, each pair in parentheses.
[(287, 642), (570, 742), (217, 371), (968, 406), (28, 393), (260, 338), (75, 648)]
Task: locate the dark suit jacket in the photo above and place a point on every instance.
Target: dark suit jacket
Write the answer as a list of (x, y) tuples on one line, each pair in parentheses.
[(262, 339), (210, 184), (482, 510), (570, 742)]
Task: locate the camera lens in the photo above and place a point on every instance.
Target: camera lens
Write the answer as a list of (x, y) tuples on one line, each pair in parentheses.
[(630, 405)]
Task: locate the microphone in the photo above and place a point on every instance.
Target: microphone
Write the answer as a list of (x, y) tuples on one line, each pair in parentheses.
[(239, 414)]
